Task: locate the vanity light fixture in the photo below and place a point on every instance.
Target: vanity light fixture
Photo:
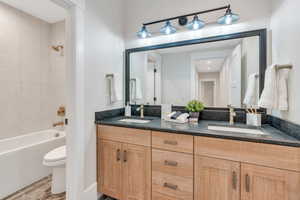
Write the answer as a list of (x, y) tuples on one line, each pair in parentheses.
[(229, 17), (168, 29), (195, 24), (143, 33)]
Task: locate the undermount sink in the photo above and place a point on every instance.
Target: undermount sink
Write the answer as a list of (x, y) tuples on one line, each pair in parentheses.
[(236, 129), (138, 121)]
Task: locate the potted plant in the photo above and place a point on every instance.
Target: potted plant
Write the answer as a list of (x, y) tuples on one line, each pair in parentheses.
[(194, 107)]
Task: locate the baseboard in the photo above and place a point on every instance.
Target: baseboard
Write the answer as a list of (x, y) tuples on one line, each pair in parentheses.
[(90, 193)]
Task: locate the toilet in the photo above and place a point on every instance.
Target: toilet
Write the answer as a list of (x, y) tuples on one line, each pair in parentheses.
[(57, 160)]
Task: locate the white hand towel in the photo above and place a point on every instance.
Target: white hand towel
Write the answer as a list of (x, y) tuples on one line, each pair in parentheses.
[(136, 89), (111, 94), (118, 87), (183, 117), (269, 94), (171, 114), (139, 94), (132, 89), (282, 87), (251, 92)]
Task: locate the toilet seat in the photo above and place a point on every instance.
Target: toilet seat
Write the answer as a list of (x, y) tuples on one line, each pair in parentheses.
[(55, 157)]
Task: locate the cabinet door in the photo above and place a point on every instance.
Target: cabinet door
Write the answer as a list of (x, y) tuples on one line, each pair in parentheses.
[(136, 172), (110, 172), (216, 179), (264, 183)]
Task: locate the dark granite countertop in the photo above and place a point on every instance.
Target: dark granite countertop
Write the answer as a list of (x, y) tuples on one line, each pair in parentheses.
[(272, 136)]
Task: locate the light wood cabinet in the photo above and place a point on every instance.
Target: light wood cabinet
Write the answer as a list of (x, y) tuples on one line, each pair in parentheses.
[(216, 179), (136, 172), (124, 163), (172, 172), (143, 165), (110, 168), (264, 183), (173, 142), (124, 170)]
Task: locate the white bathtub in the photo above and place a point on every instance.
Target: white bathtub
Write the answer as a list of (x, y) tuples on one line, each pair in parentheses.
[(21, 159)]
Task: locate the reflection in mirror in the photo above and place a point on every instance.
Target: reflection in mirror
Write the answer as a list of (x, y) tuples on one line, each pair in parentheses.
[(216, 73)]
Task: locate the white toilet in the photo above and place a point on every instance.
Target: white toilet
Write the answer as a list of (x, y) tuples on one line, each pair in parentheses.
[(57, 160)]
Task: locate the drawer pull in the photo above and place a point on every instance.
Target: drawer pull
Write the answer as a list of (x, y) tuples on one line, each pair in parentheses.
[(170, 142), (234, 180), (170, 186), (171, 163), (247, 179), (125, 156), (118, 155)]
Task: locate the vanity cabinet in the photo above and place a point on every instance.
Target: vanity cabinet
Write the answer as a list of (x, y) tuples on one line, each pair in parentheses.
[(227, 169), (266, 183), (110, 168), (172, 166), (216, 179), (124, 169), (136, 171), (138, 164)]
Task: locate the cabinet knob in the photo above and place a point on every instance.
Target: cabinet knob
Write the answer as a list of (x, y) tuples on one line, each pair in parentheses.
[(170, 186)]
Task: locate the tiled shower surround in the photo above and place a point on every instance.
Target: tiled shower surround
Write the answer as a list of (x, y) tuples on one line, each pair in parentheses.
[(32, 75)]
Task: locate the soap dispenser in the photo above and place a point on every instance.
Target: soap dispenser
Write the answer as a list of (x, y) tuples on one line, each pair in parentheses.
[(127, 110)]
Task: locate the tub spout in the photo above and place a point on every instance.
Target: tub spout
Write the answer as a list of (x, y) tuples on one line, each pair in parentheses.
[(58, 124)]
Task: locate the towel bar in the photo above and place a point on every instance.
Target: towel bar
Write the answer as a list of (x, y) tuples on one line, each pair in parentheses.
[(288, 66)]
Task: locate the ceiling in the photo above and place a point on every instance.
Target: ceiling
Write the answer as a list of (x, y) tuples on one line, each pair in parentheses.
[(42, 9), (210, 65)]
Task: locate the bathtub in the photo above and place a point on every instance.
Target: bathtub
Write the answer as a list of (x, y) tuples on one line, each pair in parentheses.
[(21, 159)]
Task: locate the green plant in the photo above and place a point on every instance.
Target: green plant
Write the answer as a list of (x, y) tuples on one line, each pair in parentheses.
[(195, 106)]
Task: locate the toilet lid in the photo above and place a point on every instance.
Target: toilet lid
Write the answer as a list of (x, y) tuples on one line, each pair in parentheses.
[(56, 154)]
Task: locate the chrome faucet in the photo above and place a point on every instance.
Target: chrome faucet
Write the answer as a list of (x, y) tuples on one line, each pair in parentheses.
[(141, 109), (232, 114)]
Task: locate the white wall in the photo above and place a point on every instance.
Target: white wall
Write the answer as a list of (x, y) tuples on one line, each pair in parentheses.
[(285, 29), (32, 76), (176, 78), (104, 48), (211, 76), (138, 69), (250, 62), (254, 14)]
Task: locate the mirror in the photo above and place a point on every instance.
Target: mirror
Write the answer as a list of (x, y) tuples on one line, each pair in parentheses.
[(219, 73)]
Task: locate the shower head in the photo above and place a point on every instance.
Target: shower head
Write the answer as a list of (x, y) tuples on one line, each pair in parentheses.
[(58, 47)]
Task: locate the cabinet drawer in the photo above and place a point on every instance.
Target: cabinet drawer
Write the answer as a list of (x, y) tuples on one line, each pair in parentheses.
[(173, 142), (173, 163), (268, 155), (159, 196), (174, 187), (125, 135), (217, 148)]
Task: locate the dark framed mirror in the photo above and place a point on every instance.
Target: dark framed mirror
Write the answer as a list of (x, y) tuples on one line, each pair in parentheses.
[(215, 70)]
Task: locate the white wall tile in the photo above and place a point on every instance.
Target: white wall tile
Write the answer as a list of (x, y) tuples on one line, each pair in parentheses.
[(32, 75)]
